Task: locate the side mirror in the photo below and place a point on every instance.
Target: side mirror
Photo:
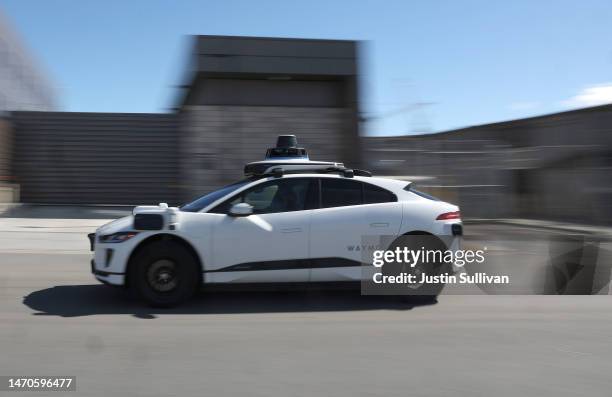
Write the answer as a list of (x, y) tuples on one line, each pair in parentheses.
[(241, 209)]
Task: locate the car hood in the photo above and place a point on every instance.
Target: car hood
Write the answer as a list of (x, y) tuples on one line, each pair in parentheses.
[(118, 225)]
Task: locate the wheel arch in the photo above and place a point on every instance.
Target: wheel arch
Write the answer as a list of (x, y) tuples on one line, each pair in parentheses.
[(425, 233), (157, 238), (418, 233)]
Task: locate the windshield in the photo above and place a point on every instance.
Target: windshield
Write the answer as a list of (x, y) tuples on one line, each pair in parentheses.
[(206, 200)]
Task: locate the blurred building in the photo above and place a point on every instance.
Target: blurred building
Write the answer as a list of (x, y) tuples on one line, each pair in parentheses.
[(241, 93), (555, 167), (22, 87), (244, 91)]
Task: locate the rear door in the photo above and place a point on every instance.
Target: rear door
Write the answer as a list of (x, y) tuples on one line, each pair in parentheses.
[(350, 211)]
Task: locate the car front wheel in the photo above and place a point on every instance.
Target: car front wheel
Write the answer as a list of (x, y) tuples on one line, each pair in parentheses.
[(164, 274)]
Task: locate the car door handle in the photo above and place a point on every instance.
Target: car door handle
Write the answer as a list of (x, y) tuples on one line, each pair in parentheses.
[(379, 224), (291, 230)]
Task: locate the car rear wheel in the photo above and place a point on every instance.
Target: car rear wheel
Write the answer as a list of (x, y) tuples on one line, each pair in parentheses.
[(418, 291), (164, 274)]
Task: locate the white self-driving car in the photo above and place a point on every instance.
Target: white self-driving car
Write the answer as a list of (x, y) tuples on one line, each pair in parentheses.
[(291, 220)]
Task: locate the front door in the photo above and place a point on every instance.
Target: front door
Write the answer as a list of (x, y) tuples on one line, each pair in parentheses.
[(271, 245)]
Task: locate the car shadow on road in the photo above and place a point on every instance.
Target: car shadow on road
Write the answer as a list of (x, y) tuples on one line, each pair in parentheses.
[(87, 300)]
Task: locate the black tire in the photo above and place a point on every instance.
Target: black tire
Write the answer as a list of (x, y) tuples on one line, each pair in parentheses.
[(423, 293), (164, 274)]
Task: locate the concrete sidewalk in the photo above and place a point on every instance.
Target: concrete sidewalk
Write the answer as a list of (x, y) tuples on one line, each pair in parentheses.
[(29, 235), (40, 211), (40, 229), (38, 233), (575, 228)]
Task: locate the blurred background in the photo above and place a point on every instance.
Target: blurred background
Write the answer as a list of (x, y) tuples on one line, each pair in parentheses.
[(232, 95), (136, 112), (504, 108)]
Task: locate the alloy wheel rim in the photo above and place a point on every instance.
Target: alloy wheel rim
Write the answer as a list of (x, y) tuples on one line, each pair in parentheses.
[(162, 275)]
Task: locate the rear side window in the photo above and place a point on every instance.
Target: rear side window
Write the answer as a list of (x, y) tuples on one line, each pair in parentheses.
[(340, 193), (411, 189), (375, 194), (344, 192)]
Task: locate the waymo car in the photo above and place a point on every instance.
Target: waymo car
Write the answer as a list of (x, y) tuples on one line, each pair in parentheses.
[(290, 220)]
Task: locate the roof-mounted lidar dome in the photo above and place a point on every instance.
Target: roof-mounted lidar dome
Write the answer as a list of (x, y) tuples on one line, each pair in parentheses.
[(286, 148)]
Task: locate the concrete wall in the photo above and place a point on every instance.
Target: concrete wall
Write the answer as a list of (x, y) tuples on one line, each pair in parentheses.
[(96, 158)]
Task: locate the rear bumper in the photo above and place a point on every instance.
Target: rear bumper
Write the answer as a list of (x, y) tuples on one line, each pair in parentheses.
[(107, 277)]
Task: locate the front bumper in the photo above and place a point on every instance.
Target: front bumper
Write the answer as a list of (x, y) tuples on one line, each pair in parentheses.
[(107, 277), (110, 260), (92, 241)]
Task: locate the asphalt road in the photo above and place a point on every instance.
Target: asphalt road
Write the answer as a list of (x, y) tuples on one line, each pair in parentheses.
[(56, 320)]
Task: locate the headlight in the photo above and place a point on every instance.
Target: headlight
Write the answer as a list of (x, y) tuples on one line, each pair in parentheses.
[(117, 237)]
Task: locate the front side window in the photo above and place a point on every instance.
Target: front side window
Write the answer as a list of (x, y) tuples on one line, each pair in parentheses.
[(204, 201), (280, 195)]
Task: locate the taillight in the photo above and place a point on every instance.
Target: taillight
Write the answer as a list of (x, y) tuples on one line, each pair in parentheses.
[(449, 215)]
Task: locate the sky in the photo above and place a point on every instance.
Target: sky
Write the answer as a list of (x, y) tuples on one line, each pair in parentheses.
[(425, 66)]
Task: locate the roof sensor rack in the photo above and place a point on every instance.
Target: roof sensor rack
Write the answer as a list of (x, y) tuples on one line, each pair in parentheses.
[(278, 171), (362, 173), (288, 158), (266, 167)]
